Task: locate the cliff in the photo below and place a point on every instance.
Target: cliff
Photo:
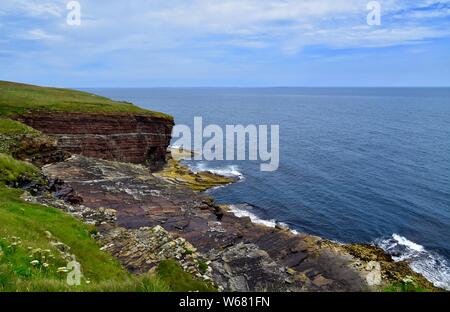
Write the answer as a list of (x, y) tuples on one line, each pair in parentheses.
[(121, 137), (88, 124)]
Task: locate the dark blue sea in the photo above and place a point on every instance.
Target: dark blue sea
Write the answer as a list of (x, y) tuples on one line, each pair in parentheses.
[(365, 165)]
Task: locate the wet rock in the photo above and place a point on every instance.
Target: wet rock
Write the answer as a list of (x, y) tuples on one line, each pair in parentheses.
[(281, 226)]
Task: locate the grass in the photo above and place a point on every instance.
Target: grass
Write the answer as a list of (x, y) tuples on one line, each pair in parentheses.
[(12, 127), (402, 287), (407, 285), (12, 132), (178, 280), (12, 170), (30, 260), (17, 99)]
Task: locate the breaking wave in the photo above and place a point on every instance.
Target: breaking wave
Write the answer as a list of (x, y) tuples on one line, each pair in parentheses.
[(241, 211), (231, 171), (428, 263)]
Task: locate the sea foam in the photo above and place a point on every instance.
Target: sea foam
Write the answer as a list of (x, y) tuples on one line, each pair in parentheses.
[(231, 171), (240, 212), (431, 265)]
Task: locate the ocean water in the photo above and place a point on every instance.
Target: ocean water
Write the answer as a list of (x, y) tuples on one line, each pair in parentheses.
[(356, 165)]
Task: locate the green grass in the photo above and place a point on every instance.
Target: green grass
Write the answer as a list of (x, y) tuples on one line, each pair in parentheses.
[(17, 99), (12, 132), (405, 286), (11, 170), (12, 127), (178, 280)]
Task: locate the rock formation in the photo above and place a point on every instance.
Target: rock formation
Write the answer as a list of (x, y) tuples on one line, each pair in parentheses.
[(243, 256), (122, 137)]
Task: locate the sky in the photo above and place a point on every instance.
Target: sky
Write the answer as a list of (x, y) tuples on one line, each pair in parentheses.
[(225, 43)]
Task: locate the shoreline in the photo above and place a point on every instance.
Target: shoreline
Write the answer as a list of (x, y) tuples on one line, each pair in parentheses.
[(272, 258), (244, 211)]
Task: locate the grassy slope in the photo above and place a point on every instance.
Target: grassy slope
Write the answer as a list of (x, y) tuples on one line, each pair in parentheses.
[(11, 127), (24, 238), (11, 132), (16, 98)]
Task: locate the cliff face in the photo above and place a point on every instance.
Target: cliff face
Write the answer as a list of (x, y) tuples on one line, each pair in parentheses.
[(121, 137)]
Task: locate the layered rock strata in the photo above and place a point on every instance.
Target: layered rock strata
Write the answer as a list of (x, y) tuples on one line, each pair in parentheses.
[(121, 137)]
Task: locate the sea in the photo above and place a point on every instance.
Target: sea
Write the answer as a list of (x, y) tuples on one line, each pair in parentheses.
[(367, 165)]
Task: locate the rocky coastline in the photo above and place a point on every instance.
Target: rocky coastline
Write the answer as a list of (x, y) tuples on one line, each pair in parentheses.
[(109, 167), (143, 217)]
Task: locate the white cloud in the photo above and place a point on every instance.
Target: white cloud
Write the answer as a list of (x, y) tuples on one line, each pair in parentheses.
[(287, 25), (39, 34), (53, 8)]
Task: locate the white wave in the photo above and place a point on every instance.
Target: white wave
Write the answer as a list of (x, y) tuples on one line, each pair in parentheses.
[(231, 171), (431, 265), (240, 213), (406, 242)]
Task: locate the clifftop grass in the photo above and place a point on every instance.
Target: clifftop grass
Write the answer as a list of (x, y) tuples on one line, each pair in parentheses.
[(17, 99)]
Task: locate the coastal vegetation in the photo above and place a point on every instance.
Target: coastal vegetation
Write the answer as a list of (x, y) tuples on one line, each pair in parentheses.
[(12, 132), (35, 242), (18, 99), (12, 170)]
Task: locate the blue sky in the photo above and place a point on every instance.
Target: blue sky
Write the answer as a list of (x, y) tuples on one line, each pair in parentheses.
[(154, 43)]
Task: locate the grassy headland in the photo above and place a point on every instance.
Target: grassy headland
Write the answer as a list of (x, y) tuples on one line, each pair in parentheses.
[(17, 99)]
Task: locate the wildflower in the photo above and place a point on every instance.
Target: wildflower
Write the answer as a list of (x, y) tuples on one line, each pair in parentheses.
[(37, 250), (34, 262)]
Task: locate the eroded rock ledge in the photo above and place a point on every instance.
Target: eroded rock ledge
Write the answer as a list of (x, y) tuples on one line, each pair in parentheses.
[(239, 255), (122, 137)]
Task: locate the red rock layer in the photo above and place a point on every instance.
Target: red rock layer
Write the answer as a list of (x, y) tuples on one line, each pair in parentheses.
[(120, 137)]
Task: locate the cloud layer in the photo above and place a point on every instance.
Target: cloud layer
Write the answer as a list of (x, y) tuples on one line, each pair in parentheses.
[(182, 40)]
